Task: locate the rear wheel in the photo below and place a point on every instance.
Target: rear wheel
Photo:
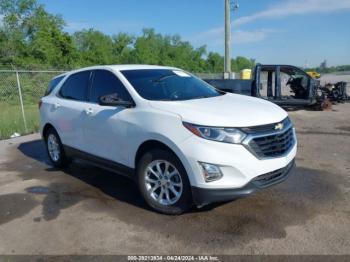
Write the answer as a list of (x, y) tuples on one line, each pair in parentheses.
[(163, 182), (54, 149)]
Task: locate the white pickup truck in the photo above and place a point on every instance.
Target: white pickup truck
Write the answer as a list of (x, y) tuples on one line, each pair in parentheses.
[(182, 140)]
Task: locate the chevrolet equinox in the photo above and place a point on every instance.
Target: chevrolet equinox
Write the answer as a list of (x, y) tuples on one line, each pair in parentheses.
[(183, 141)]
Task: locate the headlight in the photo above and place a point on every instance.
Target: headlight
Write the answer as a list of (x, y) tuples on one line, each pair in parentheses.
[(227, 135)]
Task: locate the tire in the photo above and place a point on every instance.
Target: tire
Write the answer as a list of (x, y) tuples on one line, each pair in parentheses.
[(335, 95), (175, 180), (54, 149)]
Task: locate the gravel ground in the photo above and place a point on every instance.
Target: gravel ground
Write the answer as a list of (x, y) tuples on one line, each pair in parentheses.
[(85, 210)]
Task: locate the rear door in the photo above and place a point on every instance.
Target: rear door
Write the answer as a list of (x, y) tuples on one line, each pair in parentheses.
[(68, 109), (106, 127)]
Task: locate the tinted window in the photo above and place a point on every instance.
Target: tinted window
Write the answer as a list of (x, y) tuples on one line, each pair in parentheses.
[(53, 83), (76, 86), (165, 84), (106, 83)]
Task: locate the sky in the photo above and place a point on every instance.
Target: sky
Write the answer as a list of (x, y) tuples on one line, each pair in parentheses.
[(296, 32)]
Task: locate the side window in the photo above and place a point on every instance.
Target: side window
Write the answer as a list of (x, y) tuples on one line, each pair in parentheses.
[(106, 83), (76, 86)]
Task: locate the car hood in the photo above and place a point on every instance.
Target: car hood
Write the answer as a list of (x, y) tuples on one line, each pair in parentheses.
[(229, 110)]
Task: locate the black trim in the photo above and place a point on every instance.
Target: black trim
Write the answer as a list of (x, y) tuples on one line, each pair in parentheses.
[(203, 196), (100, 162)]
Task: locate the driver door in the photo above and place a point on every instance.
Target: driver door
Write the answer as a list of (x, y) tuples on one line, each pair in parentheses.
[(106, 126)]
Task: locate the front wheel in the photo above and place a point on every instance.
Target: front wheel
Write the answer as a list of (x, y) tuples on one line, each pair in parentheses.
[(163, 182)]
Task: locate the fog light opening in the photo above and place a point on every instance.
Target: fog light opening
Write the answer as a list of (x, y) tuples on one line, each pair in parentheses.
[(211, 172)]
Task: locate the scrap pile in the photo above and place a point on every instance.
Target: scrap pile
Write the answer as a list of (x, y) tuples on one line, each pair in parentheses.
[(335, 92), (331, 94)]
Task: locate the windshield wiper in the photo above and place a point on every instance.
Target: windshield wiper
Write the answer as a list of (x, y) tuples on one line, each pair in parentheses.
[(208, 96), (160, 79)]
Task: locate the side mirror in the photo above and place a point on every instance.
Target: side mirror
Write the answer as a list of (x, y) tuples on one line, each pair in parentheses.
[(113, 100)]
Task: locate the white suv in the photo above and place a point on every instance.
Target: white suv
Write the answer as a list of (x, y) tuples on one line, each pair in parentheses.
[(182, 140)]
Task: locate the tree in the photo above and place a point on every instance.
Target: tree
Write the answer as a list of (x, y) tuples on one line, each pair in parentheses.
[(122, 48), (33, 36), (242, 63), (13, 29), (47, 43), (148, 47), (94, 47), (215, 63)]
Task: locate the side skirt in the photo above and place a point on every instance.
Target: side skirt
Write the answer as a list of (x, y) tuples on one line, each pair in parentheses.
[(100, 162)]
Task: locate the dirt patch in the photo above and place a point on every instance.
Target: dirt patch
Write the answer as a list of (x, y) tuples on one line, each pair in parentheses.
[(305, 195), (15, 206), (58, 196)]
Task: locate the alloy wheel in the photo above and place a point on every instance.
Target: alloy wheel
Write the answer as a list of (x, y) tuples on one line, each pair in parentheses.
[(53, 147), (163, 182)]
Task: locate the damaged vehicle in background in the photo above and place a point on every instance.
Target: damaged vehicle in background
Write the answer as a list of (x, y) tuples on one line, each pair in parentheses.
[(287, 86)]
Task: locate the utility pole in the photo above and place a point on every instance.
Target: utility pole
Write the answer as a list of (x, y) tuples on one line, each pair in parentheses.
[(227, 69), (228, 8)]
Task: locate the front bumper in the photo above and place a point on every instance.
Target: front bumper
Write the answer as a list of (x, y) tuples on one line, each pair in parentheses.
[(203, 196), (238, 165)]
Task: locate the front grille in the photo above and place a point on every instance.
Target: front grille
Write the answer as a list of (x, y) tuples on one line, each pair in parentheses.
[(272, 145), (273, 177), (265, 128)]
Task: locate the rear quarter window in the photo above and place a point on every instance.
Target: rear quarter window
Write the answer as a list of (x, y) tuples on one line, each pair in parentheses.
[(53, 83)]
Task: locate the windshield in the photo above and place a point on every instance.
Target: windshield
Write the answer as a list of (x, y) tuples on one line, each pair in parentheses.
[(169, 85)]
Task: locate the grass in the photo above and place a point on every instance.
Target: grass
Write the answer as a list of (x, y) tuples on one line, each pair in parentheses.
[(11, 119), (33, 86)]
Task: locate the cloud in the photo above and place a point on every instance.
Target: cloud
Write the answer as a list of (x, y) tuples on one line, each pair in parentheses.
[(242, 37), (214, 38), (296, 7)]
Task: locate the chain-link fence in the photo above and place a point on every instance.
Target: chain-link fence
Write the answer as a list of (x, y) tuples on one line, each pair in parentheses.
[(20, 92)]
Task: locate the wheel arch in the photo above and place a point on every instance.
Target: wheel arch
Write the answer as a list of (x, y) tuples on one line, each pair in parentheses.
[(156, 144), (151, 144), (46, 127)]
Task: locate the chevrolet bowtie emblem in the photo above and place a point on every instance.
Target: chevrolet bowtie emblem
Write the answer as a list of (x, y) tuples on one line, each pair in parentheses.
[(279, 126)]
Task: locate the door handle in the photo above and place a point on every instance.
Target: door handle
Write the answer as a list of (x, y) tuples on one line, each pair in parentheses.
[(89, 111), (57, 105)]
